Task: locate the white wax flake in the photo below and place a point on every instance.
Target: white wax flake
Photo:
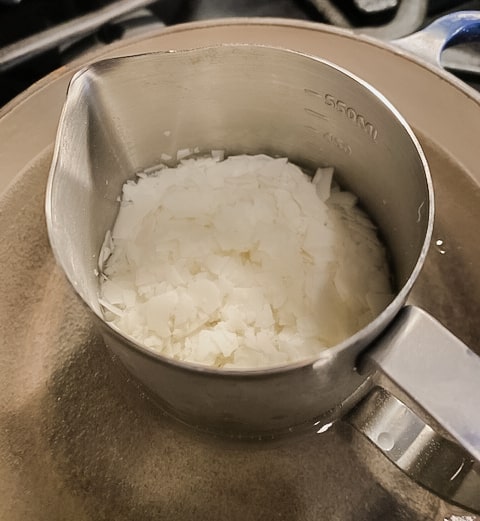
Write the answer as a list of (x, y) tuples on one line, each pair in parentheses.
[(110, 307), (154, 169), (105, 251), (241, 262), (183, 153), (167, 133), (461, 518), (346, 200), (159, 310), (323, 181), (205, 295), (219, 155)]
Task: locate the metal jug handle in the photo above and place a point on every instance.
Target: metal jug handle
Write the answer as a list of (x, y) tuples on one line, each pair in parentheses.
[(451, 29), (418, 361), (426, 366)]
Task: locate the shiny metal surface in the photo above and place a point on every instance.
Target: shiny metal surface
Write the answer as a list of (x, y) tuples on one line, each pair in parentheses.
[(79, 442), (241, 99), (435, 369), (426, 456)]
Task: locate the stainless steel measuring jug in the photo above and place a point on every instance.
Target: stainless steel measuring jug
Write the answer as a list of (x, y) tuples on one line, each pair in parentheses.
[(252, 99)]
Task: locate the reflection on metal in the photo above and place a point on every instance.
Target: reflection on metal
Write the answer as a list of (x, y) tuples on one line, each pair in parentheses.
[(427, 457)]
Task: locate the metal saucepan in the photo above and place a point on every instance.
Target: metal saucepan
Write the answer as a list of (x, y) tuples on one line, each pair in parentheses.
[(252, 99), (429, 98)]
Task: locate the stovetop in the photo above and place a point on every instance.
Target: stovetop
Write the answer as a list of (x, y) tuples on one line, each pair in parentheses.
[(38, 36)]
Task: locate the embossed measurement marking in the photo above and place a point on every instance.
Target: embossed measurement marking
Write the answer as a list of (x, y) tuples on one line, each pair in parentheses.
[(313, 129), (315, 113), (339, 143), (352, 115), (312, 92)]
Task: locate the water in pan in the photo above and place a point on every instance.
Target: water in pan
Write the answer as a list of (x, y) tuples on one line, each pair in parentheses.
[(79, 442)]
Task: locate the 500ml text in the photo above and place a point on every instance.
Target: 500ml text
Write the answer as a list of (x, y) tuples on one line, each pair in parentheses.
[(352, 115), (339, 143)]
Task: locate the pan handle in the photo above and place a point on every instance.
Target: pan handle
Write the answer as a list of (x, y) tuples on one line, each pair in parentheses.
[(451, 29), (425, 365)]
